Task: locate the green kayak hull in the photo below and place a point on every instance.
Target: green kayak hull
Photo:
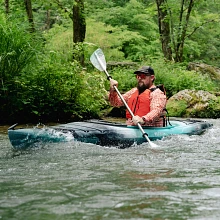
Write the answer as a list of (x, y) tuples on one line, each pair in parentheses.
[(101, 133)]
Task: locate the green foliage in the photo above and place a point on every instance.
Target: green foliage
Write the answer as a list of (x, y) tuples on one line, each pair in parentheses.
[(213, 110), (59, 39), (125, 78), (16, 12), (139, 17), (92, 6), (17, 51), (57, 91), (106, 37), (93, 96), (176, 109), (43, 82), (204, 31), (51, 89), (136, 30), (175, 78), (208, 44)]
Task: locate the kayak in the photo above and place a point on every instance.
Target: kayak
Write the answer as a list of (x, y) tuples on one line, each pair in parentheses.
[(101, 132)]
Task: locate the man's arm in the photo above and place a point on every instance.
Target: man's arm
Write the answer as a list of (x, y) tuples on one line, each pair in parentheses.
[(115, 100)]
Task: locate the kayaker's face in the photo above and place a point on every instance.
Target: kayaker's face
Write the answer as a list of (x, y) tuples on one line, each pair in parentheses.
[(144, 81)]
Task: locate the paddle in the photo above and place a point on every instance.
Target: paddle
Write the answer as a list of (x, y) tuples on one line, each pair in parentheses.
[(98, 61)]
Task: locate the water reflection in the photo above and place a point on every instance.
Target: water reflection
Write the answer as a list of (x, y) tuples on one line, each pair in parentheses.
[(144, 181)]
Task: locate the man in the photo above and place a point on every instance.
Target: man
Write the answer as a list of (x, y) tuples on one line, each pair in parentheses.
[(146, 101)]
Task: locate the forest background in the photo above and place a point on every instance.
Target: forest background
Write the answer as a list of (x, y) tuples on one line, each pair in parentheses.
[(45, 46)]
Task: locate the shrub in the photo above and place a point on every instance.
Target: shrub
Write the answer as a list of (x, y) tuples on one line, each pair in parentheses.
[(17, 50)]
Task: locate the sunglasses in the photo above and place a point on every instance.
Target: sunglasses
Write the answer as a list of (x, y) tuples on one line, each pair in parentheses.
[(141, 75)]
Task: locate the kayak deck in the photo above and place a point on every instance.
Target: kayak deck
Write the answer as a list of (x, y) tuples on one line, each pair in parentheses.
[(101, 132)]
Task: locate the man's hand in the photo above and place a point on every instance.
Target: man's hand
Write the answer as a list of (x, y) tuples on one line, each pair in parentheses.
[(136, 119), (112, 84)]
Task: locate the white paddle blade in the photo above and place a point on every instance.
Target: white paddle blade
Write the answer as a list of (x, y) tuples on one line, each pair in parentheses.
[(153, 145), (98, 60)]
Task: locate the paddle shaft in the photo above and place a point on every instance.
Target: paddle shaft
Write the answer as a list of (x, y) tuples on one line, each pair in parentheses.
[(122, 99), (132, 115)]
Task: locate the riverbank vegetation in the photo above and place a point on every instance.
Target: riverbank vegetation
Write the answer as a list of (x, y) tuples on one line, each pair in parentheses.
[(45, 71)]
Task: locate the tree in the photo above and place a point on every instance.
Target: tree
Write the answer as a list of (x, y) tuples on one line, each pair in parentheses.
[(135, 27), (175, 26), (79, 23), (79, 29), (7, 6), (164, 28), (28, 8)]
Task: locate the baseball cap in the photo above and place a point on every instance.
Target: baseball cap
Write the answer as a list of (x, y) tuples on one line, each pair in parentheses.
[(146, 70)]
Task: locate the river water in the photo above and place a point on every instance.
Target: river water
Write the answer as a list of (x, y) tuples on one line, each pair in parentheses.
[(178, 180)]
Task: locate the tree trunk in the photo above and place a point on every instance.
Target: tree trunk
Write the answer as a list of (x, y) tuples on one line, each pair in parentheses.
[(79, 30), (7, 6), (182, 30), (168, 34), (28, 8), (47, 26), (79, 23), (164, 28)]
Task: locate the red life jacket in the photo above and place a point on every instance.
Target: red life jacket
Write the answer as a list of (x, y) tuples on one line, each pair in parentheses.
[(139, 103)]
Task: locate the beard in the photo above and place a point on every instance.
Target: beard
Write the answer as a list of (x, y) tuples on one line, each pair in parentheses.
[(141, 87)]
